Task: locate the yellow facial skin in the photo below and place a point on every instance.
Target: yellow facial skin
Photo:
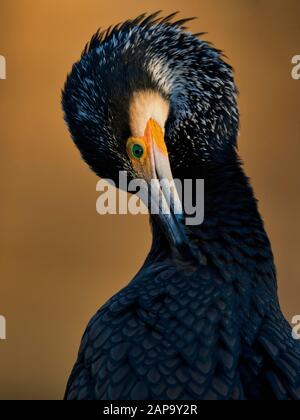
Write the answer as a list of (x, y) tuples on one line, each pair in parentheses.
[(153, 138), (153, 166), (154, 133), (133, 141)]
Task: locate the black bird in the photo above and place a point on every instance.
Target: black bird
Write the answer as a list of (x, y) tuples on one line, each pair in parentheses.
[(201, 319)]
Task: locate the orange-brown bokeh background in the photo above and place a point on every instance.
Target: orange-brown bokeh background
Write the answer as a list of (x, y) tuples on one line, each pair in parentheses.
[(60, 260)]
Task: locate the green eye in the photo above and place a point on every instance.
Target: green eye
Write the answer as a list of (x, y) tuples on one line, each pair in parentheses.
[(137, 151)]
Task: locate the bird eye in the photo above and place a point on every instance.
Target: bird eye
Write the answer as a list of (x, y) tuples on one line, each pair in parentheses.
[(136, 148), (137, 151)]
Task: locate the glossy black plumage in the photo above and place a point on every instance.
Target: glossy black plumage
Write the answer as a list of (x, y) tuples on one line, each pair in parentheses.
[(213, 330)]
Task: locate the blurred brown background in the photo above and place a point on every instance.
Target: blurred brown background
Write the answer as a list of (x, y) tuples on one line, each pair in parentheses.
[(60, 260)]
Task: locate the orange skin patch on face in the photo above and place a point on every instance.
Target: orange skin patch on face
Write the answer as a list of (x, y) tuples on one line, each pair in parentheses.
[(154, 132), (153, 136)]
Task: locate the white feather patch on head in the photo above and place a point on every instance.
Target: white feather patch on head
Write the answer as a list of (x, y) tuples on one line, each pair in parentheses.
[(146, 105)]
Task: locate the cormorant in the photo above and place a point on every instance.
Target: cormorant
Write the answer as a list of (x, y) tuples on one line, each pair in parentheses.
[(201, 319)]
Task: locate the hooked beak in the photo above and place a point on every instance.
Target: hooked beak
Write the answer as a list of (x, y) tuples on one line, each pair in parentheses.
[(161, 196)]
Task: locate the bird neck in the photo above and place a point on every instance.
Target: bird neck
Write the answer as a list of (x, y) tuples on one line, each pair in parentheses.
[(232, 234)]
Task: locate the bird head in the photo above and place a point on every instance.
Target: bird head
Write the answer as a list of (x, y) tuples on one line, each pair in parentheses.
[(153, 100)]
